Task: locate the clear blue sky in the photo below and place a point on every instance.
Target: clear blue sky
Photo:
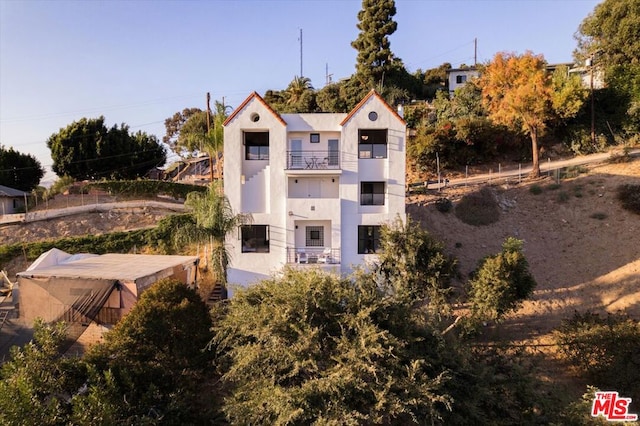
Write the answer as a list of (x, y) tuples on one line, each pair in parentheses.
[(138, 62)]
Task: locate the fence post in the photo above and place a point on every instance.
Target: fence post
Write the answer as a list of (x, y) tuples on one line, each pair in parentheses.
[(466, 175), (549, 167), (519, 172)]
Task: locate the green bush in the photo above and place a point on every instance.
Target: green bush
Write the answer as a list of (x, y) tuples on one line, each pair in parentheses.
[(147, 188), (478, 208), (606, 350), (535, 189), (157, 239), (444, 205), (563, 197), (629, 196)]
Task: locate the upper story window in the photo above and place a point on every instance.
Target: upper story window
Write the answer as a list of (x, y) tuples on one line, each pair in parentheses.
[(315, 138), (372, 143), (255, 238), (372, 193), (368, 239), (461, 79), (256, 145)]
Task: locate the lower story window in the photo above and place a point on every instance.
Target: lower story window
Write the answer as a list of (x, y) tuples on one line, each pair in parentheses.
[(315, 236), (368, 239), (255, 238)]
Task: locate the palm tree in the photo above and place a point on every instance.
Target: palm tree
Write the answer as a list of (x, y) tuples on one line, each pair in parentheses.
[(213, 219), (297, 88)]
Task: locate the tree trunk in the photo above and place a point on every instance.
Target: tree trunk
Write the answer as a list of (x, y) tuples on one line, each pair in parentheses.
[(535, 169)]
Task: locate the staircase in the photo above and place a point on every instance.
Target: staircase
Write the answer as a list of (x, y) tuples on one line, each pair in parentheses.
[(218, 293)]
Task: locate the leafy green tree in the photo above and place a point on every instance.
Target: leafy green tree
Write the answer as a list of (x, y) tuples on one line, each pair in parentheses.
[(174, 124), (212, 220), (155, 358), (19, 171), (37, 383), (436, 79), (87, 149), (568, 94), (414, 264), (376, 24), (612, 30), (516, 91), (610, 38), (501, 282), (308, 348)]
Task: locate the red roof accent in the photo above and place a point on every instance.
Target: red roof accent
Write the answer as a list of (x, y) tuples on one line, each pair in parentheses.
[(364, 100), (246, 101)]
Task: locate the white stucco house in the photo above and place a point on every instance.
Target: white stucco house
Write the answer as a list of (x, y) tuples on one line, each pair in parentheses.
[(459, 76), (317, 185)]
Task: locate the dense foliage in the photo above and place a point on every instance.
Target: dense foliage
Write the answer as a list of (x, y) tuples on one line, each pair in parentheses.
[(604, 349), (19, 171), (88, 150), (157, 240), (501, 282), (312, 348), (155, 357), (629, 196), (146, 188)]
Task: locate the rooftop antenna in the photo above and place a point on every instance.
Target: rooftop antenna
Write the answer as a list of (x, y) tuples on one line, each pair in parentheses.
[(475, 52), (327, 75), (300, 52)]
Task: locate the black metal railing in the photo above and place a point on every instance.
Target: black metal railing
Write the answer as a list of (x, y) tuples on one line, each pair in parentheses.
[(313, 255), (313, 160)]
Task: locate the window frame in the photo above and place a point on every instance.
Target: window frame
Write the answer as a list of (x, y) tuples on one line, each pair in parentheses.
[(261, 145), (254, 235), (370, 193), (314, 242), (371, 142), (369, 242)]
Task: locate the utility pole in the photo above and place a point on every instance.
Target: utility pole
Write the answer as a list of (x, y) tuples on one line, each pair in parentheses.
[(475, 52), (589, 63), (209, 135)]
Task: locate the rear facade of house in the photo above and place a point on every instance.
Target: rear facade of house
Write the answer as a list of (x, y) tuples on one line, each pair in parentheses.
[(318, 186)]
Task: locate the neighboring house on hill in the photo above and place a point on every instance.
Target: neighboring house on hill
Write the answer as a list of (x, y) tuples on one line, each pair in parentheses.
[(459, 76), (95, 291), (194, 170), (12, 200), (318, 185)]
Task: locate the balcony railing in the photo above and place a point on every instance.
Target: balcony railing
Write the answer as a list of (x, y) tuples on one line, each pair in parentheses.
[(313, 255), (313, 160)]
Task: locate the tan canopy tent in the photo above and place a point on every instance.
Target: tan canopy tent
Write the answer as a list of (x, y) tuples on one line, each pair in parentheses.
[(101, 288)]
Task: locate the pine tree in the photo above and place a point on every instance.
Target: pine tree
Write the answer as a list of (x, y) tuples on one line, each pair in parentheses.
[(374, 53)]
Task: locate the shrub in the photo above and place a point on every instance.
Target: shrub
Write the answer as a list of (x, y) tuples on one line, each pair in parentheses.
[(444, 205), (535, 189), (629, 196), (605, 349), (553, 186), (501, 282), (478, 208), (563, 197)]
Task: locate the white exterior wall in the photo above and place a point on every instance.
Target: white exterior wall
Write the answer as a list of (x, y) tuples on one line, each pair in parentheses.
[(471, 73), (329, 198), (392, 170)]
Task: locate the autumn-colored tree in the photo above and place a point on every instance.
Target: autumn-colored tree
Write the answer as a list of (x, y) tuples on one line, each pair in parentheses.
[(516, 90)]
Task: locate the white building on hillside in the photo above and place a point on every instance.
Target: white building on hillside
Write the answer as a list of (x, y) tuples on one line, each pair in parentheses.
[(459, 76), (318, 185)]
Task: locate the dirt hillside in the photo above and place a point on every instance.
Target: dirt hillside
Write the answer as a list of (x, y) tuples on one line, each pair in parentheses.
[(582, 247)]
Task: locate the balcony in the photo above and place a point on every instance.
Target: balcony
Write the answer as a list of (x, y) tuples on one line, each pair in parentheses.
[(313, 160), (313, 255)]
